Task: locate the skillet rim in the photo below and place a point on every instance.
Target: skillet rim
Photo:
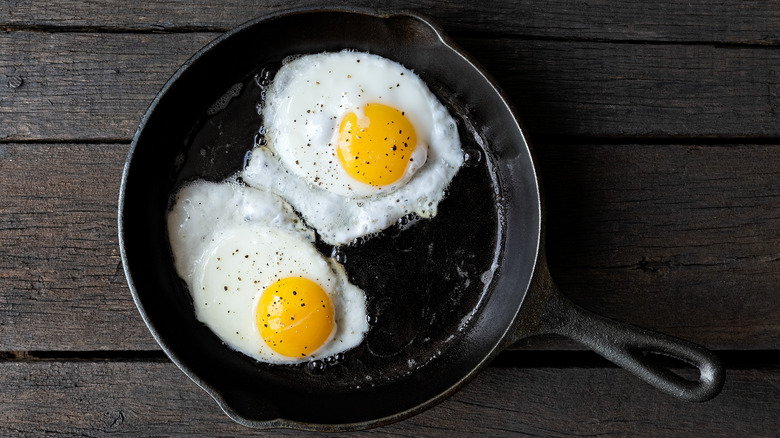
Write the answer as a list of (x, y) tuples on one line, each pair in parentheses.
[(500, 344)]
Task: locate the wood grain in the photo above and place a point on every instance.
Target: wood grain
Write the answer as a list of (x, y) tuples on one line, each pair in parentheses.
[(85, 86), (680, 239), (655, 127), (104, 82), (672, 231), (60, 271), (625, 90), (132, 398), (751, 22)]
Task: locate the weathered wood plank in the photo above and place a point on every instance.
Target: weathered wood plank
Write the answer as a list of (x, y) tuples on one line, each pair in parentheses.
[(625, 90), (155, 398), (753, 22), (84, 86), (105, 82), (672, 231), (680, 239), (61, 276)]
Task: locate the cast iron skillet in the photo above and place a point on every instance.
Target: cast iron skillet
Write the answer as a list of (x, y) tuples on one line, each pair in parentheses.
[(445, 296)]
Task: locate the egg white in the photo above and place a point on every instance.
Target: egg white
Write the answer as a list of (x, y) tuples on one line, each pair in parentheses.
[(302, 113), (231, 242)]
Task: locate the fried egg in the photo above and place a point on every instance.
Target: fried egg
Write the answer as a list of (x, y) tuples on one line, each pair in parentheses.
[(354, 142), (256, 279)]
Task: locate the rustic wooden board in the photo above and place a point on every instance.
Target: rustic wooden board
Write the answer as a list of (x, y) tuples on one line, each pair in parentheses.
[(104, 82), (84, 86), (751, 22), (133, 398), (658, 243), (61, 277), (672, 231), (627, 90), (655, 126)]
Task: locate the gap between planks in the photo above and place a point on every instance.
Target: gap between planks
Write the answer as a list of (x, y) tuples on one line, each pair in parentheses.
[(732, 359), (160, 29), (559, 140)]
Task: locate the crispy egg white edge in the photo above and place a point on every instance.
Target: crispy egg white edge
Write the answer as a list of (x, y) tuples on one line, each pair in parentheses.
[(341, 219), (192, 224), (289, 254), (194, 233), (363, 78)]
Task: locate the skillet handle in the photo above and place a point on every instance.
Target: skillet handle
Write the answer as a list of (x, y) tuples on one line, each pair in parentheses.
[(632, 348)]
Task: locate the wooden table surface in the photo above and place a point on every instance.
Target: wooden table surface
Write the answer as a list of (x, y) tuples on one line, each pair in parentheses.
[(656, 126)]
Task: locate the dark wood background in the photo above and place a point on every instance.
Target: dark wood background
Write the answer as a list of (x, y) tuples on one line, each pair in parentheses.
[(657, 130)]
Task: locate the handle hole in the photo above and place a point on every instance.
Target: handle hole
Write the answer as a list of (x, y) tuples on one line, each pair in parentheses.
[(680, 367)]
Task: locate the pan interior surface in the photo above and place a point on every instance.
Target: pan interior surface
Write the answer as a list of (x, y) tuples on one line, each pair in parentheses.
[(442, 293)]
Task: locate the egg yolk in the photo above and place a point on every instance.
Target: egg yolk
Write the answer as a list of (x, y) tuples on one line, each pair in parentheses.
[(295, 316), (377, 148)]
